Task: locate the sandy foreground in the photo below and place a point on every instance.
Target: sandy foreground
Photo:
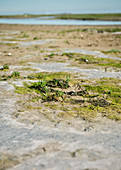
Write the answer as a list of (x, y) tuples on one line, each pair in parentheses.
[(39, 135)]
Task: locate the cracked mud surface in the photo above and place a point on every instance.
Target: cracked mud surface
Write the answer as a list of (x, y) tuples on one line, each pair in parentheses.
[(31, 140)]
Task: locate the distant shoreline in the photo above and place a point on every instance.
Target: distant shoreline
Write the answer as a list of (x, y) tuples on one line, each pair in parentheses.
[(100, 17)]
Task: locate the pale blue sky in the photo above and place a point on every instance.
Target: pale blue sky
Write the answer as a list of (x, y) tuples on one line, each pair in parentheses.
[(61, 6)]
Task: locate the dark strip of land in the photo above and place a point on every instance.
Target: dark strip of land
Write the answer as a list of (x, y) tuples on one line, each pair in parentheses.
[(103, 17)]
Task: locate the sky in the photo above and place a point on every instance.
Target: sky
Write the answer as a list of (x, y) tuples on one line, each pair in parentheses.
[(59, 6)]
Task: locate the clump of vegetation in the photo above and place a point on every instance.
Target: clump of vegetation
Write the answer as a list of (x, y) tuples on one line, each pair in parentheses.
[(51, 55), (15, 74), (84, 30), (35, 38), (90, 16), (5, 67), (110, 30), (112, 51), (92, 60), (5, 77), (22, 90), (46, 88), (58, 83), (69, 55), (48, 76), (67, 42)]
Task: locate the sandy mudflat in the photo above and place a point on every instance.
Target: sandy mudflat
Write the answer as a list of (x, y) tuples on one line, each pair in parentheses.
[(63, 37), (37, 134)]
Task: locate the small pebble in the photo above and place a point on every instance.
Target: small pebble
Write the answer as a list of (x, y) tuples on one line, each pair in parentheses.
[(9, 54), (81, 36)]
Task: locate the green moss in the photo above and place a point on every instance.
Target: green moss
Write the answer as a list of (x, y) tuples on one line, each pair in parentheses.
[(35, 99), (114, 117), (40, 108), (36, 38), (15, 74), (62, 108), (92, 60), (29, 106), (52, 106), (48, 76), (67, 42), (22, 90), (5, 77), (50, 55), (69, 55), (112, 51), (88, 59), (92, 97), (103, 89), (5, 66), (111, 103), (84, 113), (111, 64), (84, 30), (87, 114), (29, 69)]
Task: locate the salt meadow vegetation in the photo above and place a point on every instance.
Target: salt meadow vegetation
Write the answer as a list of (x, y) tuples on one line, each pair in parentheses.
[(5, 67), (112, 17), (89, 60), (90, 16), (83, 98)]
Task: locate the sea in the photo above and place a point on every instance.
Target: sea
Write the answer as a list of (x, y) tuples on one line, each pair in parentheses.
[(52, 21)]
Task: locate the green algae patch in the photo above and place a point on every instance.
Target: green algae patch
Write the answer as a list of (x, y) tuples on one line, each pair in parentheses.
[(109, 100), (48, 76), (5, 67), (91, 61), (52, 106), (88, 59), (87, 99), (21, 90), (112, 51), (29, 69), (114, 117), (111, 64), (15, 74)]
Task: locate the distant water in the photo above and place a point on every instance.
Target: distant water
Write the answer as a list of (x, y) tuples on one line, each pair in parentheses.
[(40, 21)]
